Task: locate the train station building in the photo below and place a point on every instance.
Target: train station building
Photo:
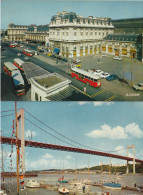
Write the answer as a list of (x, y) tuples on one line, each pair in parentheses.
[(127, 45), (76, 35)]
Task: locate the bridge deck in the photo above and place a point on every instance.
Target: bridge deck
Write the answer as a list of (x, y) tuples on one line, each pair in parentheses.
[(7, 140)]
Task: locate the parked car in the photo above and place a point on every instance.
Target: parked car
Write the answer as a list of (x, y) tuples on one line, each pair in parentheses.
[(117, 58), (19, 54), (59, 57), (111, 77), (98, 72), (104, 75), (65, 59), (138, 86), (76, 61), (26, 58), (104, 55)]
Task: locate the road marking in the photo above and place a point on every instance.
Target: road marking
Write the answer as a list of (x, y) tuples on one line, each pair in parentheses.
[(98, 93), (81, 91), (111, 98)]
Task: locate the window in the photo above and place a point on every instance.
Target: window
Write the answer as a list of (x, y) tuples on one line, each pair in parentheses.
[(67, 33), (74, 33), (36, 96), (81, 33)]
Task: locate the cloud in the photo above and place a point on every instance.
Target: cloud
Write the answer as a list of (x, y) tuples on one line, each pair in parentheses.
[(118, 132), (134, 130), (96, 103), (47, 161), (30, 133)]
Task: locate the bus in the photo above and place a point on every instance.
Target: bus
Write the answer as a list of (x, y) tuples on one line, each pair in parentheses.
[(28, 52), (18, 82), (18, 62), (86, 77), (9, 67)]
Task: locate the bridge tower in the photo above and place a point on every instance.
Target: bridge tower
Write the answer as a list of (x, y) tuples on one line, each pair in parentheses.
[(20, 119), (127, 170)]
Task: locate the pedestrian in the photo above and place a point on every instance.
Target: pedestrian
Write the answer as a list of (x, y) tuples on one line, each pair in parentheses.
[(84, 89), (83, 189)]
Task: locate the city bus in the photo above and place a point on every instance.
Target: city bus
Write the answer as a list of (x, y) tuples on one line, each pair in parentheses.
[(9, 67), (28, 52), (86, 77), (18, 82), (18, 62)]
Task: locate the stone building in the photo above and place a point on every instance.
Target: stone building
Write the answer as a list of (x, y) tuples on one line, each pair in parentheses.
[(16, 32), (38, 34), (128, 45), (76, 35)]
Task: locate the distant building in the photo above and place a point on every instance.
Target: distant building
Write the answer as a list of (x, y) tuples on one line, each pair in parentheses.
[(132, 25), (38, 34), (16, 32), (76, 35)]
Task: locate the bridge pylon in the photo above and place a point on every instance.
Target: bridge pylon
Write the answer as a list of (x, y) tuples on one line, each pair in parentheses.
[(127, 169), (20, 118)]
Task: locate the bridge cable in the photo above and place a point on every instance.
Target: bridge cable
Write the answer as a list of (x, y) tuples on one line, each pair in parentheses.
[(67, 137)]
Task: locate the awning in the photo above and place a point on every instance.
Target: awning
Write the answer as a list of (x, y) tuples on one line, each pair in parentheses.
[(56, 50)]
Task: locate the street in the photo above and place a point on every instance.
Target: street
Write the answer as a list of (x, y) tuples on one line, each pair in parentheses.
[(109, 90)]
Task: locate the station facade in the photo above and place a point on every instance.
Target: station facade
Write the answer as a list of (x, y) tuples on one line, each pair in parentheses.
[(38, 34), (76, 35), (16, 32), (127, 45)]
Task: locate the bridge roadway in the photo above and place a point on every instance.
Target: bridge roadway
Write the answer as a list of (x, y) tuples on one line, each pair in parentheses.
[(8, 140)]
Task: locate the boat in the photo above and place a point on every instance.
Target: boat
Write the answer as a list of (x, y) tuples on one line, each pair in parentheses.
[(62, 180), (112, 185), (3, 192), (63, 191), (32, 184)]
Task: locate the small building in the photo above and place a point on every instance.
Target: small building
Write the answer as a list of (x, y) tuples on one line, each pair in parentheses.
[(128, 45), (47, 85)]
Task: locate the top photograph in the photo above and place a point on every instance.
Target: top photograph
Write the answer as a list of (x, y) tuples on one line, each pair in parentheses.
[(71, 50)]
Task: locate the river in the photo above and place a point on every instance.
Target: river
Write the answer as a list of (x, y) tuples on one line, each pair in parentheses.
[(125, 180)]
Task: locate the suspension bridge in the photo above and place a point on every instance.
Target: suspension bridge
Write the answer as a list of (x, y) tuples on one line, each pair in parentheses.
[(22, 143)]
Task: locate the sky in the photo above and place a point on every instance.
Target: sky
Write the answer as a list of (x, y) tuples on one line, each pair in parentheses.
[(26, 12), (108, 127)]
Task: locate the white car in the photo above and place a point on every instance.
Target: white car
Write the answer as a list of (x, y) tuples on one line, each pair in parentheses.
[(19, 54), (98, 72), (138, 86), (104, 75), (26, 58), (117, 58), (104, 55), (76, 61)]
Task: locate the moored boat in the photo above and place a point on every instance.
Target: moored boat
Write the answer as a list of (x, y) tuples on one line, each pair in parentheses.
[(62, 180), (111, 185), (63, 191), (32, 184)]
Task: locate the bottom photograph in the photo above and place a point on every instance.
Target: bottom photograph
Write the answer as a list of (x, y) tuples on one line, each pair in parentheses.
[(53, 148)]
